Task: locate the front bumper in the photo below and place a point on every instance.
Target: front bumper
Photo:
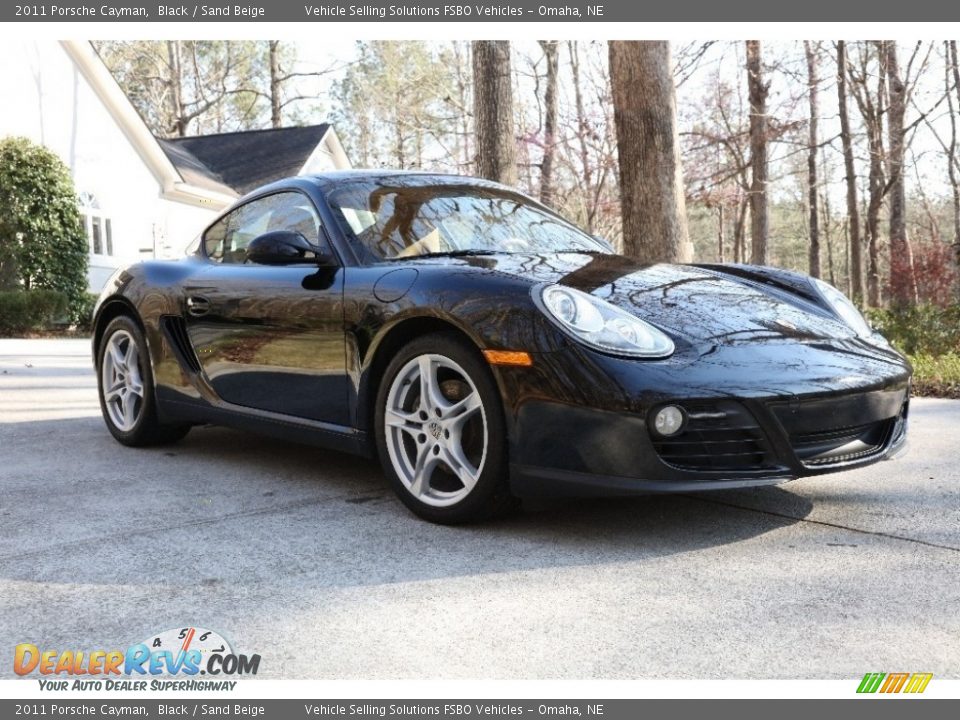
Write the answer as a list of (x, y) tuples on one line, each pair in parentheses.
[(782, 426)]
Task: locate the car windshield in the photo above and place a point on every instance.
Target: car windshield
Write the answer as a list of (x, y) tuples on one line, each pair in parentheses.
[(389, 220)]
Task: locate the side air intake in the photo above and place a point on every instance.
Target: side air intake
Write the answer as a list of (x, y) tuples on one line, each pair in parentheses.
[(175, 330)]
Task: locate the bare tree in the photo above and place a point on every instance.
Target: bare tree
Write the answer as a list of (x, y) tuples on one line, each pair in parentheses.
[(280, 60), (953, 73), (826, 216), (903, 281), (586, 166), (871, 104), (396, 106), (493, 111), (813, 141), (178, 111), (276, 84), (651, 176), (551, 55), (183, 87), (591, 145), (850, 178), (462, 104), (758, 90)]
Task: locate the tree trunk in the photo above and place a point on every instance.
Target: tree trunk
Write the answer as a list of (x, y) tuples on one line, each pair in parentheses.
[(651, 176), (582, 129), (550, 53), (827, 222), (399, 141), (846, 256), (873, 120), (720, 233), (180, 123), (853, 210), (812, 141), (493, 111), (463, 70), (759, 222), (903, 282), (739, 239), (276, 85), (9, 268)]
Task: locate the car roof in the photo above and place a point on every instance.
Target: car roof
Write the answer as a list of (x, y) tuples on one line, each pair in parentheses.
[(325, 179)]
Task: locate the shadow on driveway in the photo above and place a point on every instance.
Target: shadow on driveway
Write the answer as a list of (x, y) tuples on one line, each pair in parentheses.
[(229, 507)]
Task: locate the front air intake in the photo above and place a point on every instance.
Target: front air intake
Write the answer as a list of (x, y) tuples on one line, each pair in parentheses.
[(720, 436)]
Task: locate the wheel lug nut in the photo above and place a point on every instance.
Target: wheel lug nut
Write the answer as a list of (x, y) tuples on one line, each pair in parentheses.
[(436, 449), (439, 414), (421, 438), (423, 415), (446, 434)]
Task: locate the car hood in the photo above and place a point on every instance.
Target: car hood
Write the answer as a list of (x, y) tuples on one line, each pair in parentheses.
[(697, 303)]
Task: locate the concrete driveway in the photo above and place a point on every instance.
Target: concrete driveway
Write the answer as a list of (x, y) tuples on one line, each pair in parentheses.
[(304, 557)]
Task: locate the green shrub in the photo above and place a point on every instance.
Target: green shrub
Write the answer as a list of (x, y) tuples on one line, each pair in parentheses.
[(937, 376), (930, 336), (920, 330), (30, 311), (83, 316), (42, 243)]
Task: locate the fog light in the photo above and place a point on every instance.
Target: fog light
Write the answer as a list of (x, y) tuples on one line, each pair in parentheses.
[(669, 420)]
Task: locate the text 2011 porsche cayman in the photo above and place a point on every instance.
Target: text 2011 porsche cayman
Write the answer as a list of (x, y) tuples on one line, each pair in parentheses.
[(486, 349)]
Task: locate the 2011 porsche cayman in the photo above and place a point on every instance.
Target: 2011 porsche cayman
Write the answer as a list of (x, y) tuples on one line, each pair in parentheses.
[(485, 349)]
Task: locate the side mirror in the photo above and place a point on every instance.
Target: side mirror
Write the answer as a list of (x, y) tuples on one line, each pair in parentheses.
[(282, 247)]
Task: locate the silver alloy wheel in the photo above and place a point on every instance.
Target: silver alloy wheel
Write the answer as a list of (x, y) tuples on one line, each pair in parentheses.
[(121, 382), (432, 436)]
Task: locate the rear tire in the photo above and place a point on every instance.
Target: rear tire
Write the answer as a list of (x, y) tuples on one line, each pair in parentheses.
[(440, 432), (126, 389)]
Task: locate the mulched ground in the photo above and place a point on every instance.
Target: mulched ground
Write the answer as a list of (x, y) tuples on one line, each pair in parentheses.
[(948, 391), (75, 334)]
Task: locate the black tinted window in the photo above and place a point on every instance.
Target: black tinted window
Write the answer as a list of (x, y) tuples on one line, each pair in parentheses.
[(226, 241)]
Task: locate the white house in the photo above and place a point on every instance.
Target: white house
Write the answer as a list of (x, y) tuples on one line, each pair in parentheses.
[(141, 197)]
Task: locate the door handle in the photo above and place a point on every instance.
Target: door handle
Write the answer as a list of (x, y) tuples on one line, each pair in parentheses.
[(197, 305)]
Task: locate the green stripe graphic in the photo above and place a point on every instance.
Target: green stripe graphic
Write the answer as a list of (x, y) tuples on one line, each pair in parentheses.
[(871, 682)]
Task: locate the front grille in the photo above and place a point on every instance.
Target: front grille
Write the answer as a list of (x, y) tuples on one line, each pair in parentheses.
[(720, 436), (844, 444)]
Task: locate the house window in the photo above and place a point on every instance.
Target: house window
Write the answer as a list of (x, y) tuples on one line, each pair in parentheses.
[(96, 225)]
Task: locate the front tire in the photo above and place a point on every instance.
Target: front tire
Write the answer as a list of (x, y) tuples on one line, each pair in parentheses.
[(125, 383), (440, 432)]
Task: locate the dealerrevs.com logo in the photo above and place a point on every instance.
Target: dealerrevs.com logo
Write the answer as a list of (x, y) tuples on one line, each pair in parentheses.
[(891, 683), (179, 653)]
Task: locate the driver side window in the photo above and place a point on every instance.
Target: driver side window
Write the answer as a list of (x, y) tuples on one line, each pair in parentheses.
[(226, 241)]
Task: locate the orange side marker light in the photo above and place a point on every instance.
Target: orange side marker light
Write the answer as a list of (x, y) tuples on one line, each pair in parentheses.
[(515, 358)]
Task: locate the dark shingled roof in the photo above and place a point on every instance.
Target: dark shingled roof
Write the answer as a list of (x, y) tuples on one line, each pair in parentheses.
[(243, 161)]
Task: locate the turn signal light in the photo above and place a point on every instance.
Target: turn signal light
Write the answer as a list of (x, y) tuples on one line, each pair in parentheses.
[(516, 358)]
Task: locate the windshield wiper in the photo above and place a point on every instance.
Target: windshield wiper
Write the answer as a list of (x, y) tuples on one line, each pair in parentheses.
[(449, 253)]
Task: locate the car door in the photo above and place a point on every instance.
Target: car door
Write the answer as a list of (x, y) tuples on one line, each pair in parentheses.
[(270, 337)]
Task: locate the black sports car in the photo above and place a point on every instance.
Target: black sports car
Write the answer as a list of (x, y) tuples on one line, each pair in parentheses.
[(486, 349)]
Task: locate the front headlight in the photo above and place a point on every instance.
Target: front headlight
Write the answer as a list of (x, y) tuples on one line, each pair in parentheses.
[(603, 326), (843, 307)]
